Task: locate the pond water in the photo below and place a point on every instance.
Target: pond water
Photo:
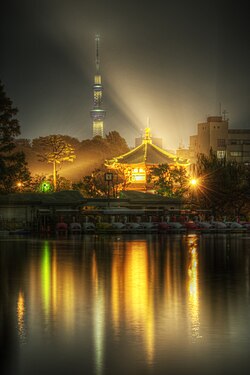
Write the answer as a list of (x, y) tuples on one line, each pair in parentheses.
[(129, 304)]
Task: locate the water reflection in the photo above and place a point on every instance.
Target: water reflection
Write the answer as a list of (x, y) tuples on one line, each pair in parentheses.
[(98, 315), (139, 303), (20, 316), (46, 279), (117, 281), (193, 287), (54, 280), (138, 299)]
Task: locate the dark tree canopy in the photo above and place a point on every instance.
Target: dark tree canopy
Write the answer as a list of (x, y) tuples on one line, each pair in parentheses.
[(9, 125), (171, 182), (13, 167), (94, 185), (224, 185), (117, 143)]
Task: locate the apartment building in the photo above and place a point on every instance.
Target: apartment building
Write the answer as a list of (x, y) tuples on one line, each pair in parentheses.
[(232, 144)]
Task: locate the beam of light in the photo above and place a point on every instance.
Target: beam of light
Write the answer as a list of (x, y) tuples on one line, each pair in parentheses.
[(73, 40), (193, 288), (21, 316), (131, 93)]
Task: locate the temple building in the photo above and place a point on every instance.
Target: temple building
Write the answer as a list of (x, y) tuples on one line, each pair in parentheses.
[(137, 162), (97, 113)]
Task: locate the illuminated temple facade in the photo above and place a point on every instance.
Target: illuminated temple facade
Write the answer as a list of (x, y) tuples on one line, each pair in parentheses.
[(137, 162), (97, 113)]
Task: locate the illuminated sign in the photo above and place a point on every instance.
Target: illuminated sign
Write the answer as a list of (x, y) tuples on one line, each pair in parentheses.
[(108, 176)]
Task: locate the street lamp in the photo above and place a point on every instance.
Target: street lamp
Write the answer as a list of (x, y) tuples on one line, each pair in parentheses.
[(19, 185), (109, 178), (193, 182), (193, 188)]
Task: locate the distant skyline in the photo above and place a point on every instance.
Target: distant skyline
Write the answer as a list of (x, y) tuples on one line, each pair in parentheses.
[(174, 62)]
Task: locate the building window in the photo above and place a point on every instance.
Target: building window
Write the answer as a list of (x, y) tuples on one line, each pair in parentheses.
[(239, 142), (221, 154), (235, 153), (221, 142), (138, 175)]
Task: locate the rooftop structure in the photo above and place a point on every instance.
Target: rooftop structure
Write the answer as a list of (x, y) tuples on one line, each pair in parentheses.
[(138, 161), (232, 144)]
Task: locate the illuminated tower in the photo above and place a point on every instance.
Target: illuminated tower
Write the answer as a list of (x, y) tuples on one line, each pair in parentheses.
[(97, 113)]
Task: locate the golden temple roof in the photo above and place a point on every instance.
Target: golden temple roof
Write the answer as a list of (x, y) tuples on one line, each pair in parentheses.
[(149, 154)]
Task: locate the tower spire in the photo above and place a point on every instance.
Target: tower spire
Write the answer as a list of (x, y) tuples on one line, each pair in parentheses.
[(97, 113), (147, 135), (97, 56)]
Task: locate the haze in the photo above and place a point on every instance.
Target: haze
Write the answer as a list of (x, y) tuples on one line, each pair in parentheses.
[(174, 62)]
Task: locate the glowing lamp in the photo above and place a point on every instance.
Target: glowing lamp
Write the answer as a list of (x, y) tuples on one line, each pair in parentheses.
[(45, 187), (193, 182)]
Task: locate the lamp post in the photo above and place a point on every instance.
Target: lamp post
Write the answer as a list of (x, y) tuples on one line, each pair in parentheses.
[(108, 178), (193, 183)]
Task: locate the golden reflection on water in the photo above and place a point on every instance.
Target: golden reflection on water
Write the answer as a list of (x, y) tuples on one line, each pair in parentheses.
[(143, 289), (193, 288), (131, 289), (46, 278), (67, 280), (20, 316), (54, 280), (98, 315), (172, 292), (53, 287), (117, 281)]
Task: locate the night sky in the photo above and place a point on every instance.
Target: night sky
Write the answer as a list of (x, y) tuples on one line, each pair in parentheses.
[(175, 62)]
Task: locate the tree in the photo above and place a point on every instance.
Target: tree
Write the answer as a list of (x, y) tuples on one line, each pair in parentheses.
[(90, 154), (224, 185), (40, 183), (94, 185), (13, 167), (55, 151), (44, 184), (169, 181), (117, 144)]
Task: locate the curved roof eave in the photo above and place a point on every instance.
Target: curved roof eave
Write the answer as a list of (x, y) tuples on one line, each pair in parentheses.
[(168, 154), (129, 152), (145, 149)]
